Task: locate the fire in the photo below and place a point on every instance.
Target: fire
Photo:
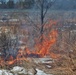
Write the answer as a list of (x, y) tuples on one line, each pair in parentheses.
[(11, 62), (42, 49), (50, 24), (47, 43), (1, 62), (54, 56)]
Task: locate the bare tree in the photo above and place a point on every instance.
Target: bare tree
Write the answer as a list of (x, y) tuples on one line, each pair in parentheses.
[(44, 6)]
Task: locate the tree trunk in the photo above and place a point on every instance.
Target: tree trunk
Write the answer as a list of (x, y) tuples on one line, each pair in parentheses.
[(42, 23)]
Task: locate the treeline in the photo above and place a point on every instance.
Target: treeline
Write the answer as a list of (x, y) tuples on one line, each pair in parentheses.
[(27, 4), (64, 4), (19, 4)]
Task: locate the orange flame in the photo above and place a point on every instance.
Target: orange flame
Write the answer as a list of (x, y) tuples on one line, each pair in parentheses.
[(54, 56), (42, 49), (46, 44)]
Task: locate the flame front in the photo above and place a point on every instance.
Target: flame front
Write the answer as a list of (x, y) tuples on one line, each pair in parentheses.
[(47, 43), (42, 49)]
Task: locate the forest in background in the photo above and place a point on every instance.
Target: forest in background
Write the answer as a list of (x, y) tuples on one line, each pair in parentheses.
[(28, 4)]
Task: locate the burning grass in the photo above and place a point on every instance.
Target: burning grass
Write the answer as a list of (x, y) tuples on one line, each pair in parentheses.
[(60, 66), (42, 50)]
